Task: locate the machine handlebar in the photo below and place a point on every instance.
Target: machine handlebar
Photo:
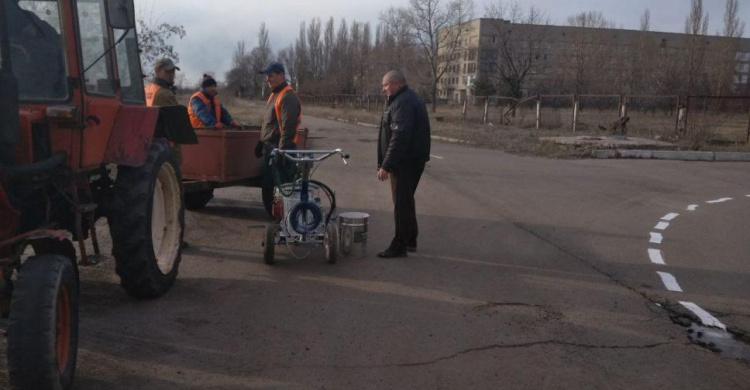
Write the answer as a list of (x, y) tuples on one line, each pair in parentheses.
[(300, 156)]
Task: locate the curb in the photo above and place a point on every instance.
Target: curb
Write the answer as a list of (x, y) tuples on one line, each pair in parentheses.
[(673, 155), (352, 122)]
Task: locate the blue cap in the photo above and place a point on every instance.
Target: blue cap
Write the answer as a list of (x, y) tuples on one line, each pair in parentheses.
[(274, 67)]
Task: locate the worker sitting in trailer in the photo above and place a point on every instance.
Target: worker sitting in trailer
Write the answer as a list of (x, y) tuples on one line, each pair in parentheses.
[(206, 110)]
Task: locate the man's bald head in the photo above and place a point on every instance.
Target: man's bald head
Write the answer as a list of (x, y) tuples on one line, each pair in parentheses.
[(393, 81)]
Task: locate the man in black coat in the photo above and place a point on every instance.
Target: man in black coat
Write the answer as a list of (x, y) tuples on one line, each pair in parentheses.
[(403, 150)]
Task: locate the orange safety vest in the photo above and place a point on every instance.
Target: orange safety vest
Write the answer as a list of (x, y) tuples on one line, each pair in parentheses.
[(277, 109), (151, 91), (194, 120)]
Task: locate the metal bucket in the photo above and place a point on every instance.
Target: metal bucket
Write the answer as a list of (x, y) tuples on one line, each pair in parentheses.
[(353, 228)]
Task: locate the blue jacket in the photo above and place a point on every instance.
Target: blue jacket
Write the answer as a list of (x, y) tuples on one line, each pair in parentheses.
[(206, 114)]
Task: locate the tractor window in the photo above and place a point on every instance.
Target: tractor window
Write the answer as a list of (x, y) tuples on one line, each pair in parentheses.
[(36, 45), (94, 43), (129, 67)]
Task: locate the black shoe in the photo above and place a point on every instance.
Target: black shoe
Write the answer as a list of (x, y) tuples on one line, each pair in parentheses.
[(390, 253), (411, 248)]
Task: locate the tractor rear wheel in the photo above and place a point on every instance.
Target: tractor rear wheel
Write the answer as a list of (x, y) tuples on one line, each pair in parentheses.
[(148, 223), (43, 330)]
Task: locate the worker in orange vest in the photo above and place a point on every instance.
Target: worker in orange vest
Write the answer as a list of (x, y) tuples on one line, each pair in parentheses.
[(283, 111), (161, 91), (206, 110), (279, 127)]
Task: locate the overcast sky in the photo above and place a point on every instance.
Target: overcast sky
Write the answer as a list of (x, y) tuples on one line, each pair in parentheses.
[(214, 27)]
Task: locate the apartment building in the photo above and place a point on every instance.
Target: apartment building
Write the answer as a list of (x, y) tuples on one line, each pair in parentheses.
[(563, 59)]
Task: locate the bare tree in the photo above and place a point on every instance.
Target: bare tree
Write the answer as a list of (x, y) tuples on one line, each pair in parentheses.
[(646, 20), (591, 19), (733, 26), (314, 49), (438, 29), (240, 76), (721, 66), (301, 58), (154, 36), (288, 57), (519, 49), (586, 54), (696, 28)]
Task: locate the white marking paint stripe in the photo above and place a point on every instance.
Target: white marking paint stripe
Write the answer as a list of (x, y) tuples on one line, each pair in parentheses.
[(656, 257), (722, 200), (706, 318), (656, 238), (437, 157), (670, 216), (670, 282), (661, 225), (692, 207)]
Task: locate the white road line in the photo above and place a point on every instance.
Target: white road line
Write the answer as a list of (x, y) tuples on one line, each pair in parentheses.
[(670, 282), (692, 207), (656, 238), (722, 200), (670, 216), (661, 225), (437, 157), (656, 257), (706, 318)]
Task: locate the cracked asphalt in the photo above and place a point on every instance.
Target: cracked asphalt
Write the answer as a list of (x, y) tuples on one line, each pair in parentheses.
[(531, 274)]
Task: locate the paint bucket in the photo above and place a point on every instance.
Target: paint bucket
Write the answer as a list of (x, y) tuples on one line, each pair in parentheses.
[(353, 228)]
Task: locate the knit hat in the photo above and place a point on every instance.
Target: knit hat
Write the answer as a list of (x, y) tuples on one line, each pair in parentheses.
[(208, 81)]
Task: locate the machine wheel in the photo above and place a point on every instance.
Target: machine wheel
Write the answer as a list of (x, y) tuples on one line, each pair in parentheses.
[(331, 243), (267, 188), (269, 245), (43, 330), (196, 200), (148, 223)]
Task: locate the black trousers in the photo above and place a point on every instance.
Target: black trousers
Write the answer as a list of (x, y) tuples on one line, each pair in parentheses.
[(404, 184)]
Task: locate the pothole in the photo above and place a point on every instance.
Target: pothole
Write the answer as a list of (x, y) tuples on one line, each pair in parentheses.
[(719, 341)]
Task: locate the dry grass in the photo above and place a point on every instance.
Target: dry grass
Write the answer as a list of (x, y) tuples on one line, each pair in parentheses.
[(714, 133)]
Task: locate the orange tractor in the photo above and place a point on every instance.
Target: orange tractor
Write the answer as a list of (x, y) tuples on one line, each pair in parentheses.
[(78, 143)]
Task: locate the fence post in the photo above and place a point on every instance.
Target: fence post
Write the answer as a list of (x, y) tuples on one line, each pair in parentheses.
[(486, 109), (575, 112), (463, 110), (538, 111), (623, 106)]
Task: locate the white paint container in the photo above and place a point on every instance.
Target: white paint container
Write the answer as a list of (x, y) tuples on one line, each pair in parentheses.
[(353, 228)]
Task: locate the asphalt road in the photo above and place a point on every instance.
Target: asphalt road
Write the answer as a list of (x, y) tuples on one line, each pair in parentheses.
[(531, 274)]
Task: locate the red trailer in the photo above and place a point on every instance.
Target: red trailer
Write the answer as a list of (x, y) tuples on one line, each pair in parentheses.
[(225, 158)]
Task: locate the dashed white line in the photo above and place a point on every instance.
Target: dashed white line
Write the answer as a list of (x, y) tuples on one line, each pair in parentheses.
[(706, 318), (656, 238), (692, 207), (437, 157), (656, 257), (722, 200), (670, 216), (661, 225), (669, 281)]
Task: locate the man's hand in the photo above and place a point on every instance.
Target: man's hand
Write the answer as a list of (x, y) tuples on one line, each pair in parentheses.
[(219, 125), (383, 175), (234, 124)]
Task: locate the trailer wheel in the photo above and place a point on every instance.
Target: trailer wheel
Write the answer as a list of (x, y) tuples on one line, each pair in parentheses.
[(269, 243), (148, 223), (331, 243), (196, 200), (43, 330)]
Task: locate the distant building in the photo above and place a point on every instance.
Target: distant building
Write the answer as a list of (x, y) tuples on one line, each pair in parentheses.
[(562, 59)]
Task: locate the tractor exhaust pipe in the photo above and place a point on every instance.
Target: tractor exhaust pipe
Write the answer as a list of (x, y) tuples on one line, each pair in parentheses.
[(9, 124)]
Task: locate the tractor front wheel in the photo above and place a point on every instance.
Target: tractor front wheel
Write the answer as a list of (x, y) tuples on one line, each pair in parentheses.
[(43, 329)]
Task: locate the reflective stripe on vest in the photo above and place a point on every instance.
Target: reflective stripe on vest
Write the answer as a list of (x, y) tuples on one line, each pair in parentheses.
[(277, 110), (194, 120), (151, 91)]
